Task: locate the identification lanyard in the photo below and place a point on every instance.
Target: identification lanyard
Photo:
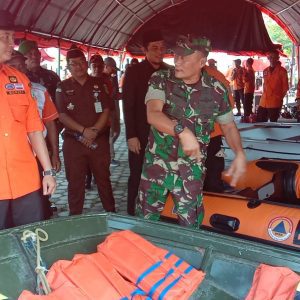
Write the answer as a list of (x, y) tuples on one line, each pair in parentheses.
[(97, 104)]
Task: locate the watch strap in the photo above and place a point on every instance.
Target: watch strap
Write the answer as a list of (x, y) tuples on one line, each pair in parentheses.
[(50, 172)]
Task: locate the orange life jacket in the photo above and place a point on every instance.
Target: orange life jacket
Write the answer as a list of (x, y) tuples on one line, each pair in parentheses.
[(89, 277), (161, 274), (276, 283)]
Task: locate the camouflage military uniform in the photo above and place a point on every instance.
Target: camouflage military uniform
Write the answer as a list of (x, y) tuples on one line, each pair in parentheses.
[(166, 167)]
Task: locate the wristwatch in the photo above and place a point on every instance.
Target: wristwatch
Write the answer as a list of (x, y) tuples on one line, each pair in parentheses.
[(178, 128), (50, 172)]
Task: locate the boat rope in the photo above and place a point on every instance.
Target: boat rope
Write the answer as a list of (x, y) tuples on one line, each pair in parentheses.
[(33, 239)]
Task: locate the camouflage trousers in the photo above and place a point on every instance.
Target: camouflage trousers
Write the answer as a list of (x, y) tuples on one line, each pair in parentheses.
[(182, 178)]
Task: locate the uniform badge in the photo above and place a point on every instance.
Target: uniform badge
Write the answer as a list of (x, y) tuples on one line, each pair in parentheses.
[(19, 86), (70, 106), (13, 79), (10, 86), (70, 92)]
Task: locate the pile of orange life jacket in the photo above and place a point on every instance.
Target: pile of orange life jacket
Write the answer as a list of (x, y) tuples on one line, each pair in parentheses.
[(125, 267)]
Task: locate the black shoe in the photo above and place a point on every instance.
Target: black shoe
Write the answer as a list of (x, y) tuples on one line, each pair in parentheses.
[(238, 114), (131, 213)]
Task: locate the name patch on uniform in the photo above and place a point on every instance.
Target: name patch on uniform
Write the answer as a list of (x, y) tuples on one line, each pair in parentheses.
[(12, 79), (14, 92)]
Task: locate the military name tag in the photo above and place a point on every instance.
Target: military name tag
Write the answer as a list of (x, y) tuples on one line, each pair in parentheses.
[(98, 107)]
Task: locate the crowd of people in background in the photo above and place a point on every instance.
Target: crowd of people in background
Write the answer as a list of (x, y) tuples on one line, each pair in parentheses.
[(174, 121)]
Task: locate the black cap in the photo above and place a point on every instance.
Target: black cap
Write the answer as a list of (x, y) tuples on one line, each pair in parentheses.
[(109, 61), (250, 61), (7, 21), (153, 35), (74, 52), (96, 59)]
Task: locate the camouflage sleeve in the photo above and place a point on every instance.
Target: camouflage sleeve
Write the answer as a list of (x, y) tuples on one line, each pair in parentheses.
[(156, 87)]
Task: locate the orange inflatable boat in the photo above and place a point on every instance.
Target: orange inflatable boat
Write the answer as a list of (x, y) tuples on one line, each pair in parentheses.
[(265, 205)]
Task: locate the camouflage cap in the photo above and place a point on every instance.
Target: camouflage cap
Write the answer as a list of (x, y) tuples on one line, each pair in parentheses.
[(26, 46), (188, 44)]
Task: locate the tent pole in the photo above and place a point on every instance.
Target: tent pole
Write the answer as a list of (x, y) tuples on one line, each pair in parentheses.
[(298, 59), (58, 64), (292, 65)]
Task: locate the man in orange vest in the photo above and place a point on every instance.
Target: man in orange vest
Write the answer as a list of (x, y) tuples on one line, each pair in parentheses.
[(238, 85), (274, 89), (20, 183)]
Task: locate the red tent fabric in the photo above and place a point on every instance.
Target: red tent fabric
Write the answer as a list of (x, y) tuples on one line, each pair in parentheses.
[(45, 56), (235, 29), (234, 26)]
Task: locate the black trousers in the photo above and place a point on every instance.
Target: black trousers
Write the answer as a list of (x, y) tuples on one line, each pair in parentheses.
[(248, 103), (78, 159), (135, 166), (238, 96), (264, 114), (214, 167), (23, 210)]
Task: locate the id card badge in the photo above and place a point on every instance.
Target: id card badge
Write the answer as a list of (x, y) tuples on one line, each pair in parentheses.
[(98, 107)]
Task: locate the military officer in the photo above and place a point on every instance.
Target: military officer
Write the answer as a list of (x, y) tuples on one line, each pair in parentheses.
[(183, 104)]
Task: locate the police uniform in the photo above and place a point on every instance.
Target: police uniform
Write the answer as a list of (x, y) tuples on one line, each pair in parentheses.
[(84, 104), (166, 167)]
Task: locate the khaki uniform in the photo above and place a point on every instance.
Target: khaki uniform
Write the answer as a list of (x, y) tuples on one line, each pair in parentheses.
[(78, 102)]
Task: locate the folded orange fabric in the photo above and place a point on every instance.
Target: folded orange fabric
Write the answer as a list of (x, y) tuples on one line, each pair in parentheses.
[(161, 274), (86, 277), (273, 283)]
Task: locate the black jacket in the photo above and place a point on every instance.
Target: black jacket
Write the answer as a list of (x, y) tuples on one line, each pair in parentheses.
[(134, 91)]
